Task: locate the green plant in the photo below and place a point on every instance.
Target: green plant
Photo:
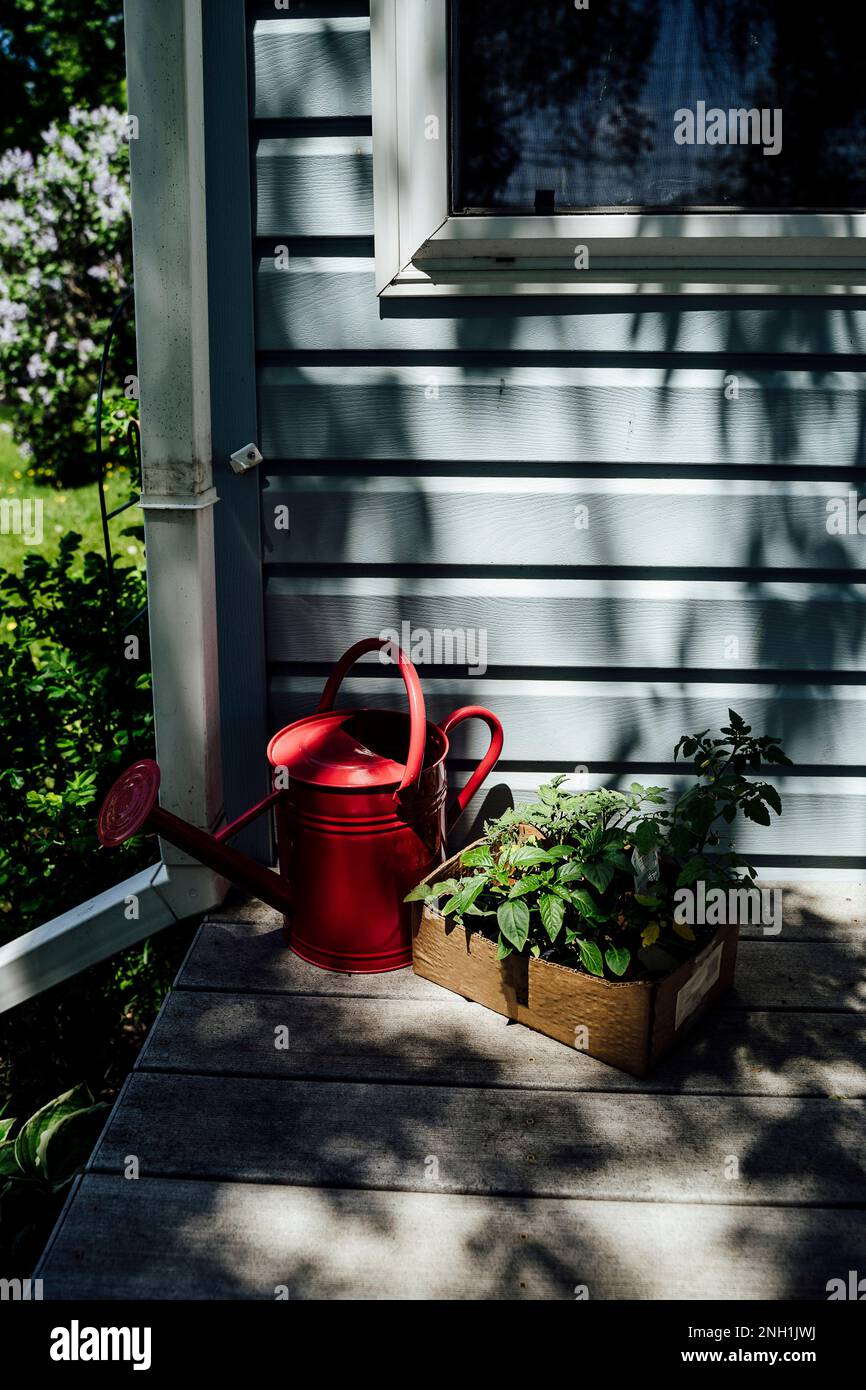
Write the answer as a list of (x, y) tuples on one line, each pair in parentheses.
[(591, 880), (72, 710), (37, 1165), (65, 258)]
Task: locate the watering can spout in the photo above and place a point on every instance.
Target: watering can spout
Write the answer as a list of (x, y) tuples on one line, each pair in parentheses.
[(131, 807)]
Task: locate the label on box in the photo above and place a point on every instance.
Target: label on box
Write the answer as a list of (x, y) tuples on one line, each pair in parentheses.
[(699, 985)]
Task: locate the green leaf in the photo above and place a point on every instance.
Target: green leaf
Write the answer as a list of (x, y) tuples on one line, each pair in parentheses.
[(5, 1126), (66, 1146), (590, 955), (526, 885), (9, 1165), (503, 949), (646, 836), (479, 857), (469, 890), (33, 1135), (552, 910), (772, 798), (646, 901), (757, 811), (567, 873), (599, 874), (618, 959), (428, 892), (586, 905), (561, 851), (513, 919), (526, 856)]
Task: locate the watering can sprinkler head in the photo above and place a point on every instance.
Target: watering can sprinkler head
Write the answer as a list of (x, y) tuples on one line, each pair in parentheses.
[(131, 808)]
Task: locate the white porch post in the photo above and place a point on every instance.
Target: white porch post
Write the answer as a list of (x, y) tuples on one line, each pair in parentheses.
[(167, 156)]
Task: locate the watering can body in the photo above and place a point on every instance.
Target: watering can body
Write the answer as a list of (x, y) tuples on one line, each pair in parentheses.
[(361, 818)]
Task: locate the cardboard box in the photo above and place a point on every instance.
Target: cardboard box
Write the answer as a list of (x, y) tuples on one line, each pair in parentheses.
[(628, 1024)]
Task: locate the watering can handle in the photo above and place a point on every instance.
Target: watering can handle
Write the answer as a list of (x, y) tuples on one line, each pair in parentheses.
[(488, 762), (417, 711)]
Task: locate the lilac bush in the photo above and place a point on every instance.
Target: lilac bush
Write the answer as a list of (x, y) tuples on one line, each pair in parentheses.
[(65, 259)]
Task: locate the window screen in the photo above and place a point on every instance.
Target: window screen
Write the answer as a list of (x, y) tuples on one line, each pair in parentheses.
[(657, 104)]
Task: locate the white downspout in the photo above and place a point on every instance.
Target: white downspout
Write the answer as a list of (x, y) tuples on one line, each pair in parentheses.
[(167, 162)]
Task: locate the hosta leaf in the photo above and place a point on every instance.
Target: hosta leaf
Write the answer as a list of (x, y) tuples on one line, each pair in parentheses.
[(30, 1136), (513, 919), (552, 910), (9, 1165), (590, 955), (5, 1126), (65, 1147), (617, 959)]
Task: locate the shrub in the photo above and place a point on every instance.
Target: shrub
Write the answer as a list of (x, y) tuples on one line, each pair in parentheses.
[(65, 257), (72, 711)]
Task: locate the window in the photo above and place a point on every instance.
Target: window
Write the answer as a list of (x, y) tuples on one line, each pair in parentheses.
[(660, 145)]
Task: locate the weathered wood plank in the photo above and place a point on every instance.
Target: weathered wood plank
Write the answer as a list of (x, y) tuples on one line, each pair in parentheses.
[(448, 1041), (547, 414), (253, 956), (490, 1141), (578, 623), (328, 302), (314, 186), (573, 522), (194, 1240), (311, 66)]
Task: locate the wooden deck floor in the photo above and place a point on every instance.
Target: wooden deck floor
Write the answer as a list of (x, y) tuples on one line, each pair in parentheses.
[(408, 1144)]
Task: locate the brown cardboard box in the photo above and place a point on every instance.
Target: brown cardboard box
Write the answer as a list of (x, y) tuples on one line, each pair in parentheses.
[(630, 1025)]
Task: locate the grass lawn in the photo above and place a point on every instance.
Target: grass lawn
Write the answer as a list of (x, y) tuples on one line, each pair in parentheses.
[(68, 509)]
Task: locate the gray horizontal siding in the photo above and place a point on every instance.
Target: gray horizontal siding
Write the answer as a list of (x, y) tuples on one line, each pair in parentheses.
[(717, 524), (307, 186), (567, 625), (324, 300), (310, 65), (538, 414), (590, 667)]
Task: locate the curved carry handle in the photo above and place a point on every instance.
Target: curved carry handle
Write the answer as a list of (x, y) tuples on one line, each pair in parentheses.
[(488, 762), (417, 711)]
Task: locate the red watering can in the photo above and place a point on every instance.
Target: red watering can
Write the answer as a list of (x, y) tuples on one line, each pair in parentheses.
[(360, 816)]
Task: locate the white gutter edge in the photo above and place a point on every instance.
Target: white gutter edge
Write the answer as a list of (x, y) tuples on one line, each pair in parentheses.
[(157, 897)]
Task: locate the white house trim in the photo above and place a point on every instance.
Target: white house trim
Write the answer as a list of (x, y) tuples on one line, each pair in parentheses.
[(421, 249)]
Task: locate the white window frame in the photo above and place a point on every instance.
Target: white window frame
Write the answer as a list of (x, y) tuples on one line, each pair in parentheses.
[(421, 249)]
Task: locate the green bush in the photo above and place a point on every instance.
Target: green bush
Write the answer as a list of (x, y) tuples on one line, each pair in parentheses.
[(65, 259), (73, 711)]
